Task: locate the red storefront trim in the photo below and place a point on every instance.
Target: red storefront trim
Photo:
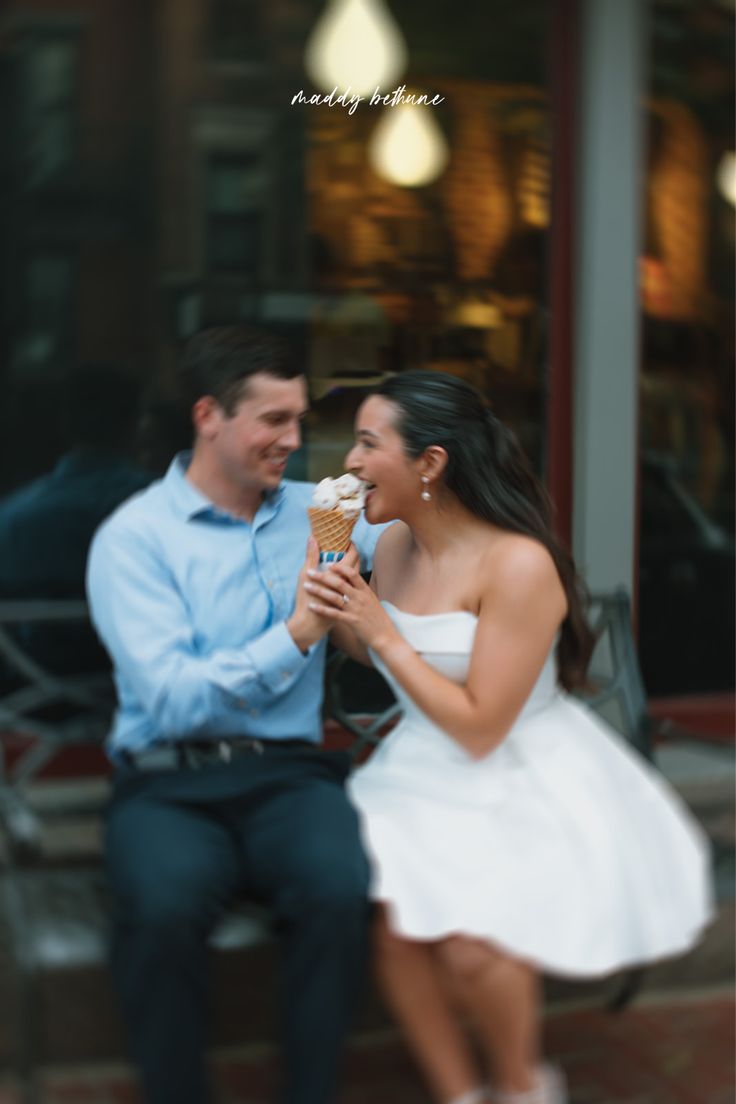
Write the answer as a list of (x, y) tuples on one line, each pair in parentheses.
[(710, 716), (565, 91)]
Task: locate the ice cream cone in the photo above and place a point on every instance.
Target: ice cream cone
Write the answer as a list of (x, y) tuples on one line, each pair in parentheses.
[(332, 531)]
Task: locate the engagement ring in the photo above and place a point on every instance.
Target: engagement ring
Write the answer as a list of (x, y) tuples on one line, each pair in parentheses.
[(345, 599)]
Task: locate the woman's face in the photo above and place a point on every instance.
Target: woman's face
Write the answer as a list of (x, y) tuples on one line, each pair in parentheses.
[(379, 458)]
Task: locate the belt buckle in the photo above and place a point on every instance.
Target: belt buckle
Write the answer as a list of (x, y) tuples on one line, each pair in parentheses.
[(226, 749)]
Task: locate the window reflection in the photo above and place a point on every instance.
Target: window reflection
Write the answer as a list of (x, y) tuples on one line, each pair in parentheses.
[(43, 346), (686, 422), (236, 31), (449, 276), (235, 188), (48, 82)]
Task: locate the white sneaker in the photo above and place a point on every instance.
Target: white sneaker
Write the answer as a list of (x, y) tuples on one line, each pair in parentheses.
[(554, 1084), (550, 1089), (473, 1096)]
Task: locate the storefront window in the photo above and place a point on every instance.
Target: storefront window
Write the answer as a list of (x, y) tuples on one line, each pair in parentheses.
[(234, 188), (48, 65), (687, 401), (46, 296), (213, 193), (451, 274), (236, 31)]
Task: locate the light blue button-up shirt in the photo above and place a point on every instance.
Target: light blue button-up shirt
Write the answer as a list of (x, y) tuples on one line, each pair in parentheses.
[(191, 604)]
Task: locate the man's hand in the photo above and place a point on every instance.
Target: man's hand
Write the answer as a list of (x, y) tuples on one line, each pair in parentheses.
[(306, 626)]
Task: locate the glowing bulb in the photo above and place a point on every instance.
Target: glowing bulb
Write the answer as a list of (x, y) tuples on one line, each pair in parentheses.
[(356, 44), (407, 146), (726, 177)]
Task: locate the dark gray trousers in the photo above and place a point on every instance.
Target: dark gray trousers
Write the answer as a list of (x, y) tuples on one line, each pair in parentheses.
[(181, 845)]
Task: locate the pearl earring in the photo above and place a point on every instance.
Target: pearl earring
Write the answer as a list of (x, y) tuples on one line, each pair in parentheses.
[(426, 496)]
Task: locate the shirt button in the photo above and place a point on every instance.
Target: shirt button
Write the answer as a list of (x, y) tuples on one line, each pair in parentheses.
[(270, 583), (242, 702), (285, 675), (254, 712)]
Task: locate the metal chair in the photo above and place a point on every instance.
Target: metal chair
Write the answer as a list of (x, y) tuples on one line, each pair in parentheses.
[(366, 726), (81, 706), (620, 698), (619, 695)]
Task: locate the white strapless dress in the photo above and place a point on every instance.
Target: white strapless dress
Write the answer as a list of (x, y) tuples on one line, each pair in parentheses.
[(561, 847)]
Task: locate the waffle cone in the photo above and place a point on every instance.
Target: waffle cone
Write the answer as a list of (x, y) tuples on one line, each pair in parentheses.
[(331, 529)]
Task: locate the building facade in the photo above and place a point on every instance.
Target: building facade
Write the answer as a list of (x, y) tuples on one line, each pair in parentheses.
[(572, 255)]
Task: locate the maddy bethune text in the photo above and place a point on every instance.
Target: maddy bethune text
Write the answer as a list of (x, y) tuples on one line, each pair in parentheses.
[(378, 99)]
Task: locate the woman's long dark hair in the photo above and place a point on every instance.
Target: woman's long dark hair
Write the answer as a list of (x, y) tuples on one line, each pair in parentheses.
[(491, 476)]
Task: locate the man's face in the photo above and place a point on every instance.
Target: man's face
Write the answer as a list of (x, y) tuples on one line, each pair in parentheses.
[(250, 447)]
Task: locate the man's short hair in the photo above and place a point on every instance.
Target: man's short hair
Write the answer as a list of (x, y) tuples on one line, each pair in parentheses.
[(220, 360)]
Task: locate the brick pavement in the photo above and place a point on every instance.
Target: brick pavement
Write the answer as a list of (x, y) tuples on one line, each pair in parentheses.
[(673, 1050)]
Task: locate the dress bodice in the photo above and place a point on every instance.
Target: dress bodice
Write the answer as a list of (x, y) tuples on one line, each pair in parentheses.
[(445, 642)]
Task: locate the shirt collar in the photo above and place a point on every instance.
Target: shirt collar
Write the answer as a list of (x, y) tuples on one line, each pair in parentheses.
[(190, 502)]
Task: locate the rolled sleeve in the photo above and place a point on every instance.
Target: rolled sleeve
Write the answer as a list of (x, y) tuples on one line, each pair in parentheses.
[(276, 660)]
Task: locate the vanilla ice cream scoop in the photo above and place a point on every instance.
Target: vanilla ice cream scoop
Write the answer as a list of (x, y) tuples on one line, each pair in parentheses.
[(324, 495), (346, 493)]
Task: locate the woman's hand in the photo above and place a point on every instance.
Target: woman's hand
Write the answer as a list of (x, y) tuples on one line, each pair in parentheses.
[(343, 597)]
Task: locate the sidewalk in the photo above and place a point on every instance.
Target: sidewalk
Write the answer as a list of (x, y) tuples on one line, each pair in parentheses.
[(674, 1045), (673, 1051)]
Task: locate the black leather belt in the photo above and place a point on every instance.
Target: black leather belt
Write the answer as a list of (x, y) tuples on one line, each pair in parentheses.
[(193, 754)]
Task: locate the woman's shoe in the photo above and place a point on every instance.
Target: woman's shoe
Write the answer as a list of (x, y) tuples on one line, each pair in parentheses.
[(473, 1096), (550, 1089)]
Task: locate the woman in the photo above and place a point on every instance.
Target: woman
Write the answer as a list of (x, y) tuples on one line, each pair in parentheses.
[(511, 832)]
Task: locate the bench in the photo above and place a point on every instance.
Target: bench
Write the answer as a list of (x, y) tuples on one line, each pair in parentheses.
[(53, 910)]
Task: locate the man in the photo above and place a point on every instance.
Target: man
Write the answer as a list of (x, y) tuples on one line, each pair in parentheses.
[(220, 790)]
